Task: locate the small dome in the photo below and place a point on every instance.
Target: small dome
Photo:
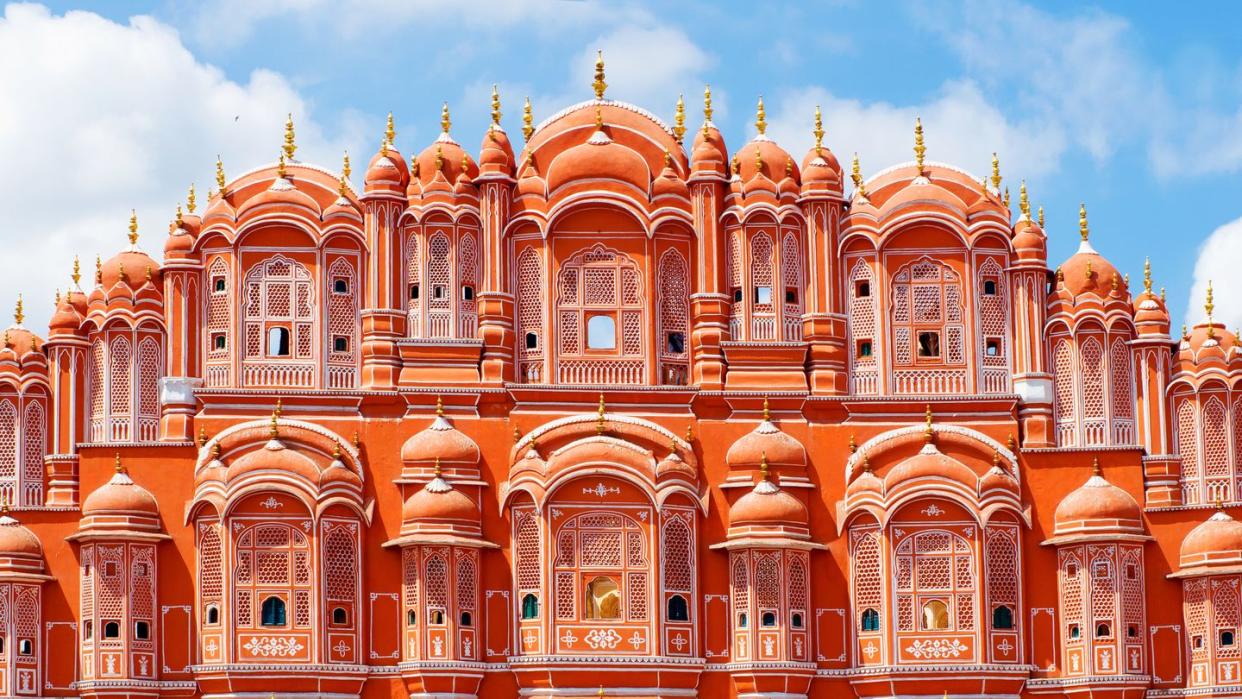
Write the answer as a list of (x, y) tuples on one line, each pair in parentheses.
[(1098, 506), (674, 465), (496, 153), (17, 540), (599, 158), (66, 317), (282, 192), (708, 154), (20, 340), (445, 158), (767, 506), (530, 182), (441, 442), (669, 183), (821, 172), (438, 502), (120, 496), (866, 482), (1087, 271), (763, 157), (768, 442), (274, 457), (931, 463), (343, 208), (131, 267), (1029, 241), (1214, 543), (383, 172)]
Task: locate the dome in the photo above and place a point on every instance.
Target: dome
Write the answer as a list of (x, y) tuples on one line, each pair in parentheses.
[(1214, 544), (1029, 241), (439, 502), (17, 540), (866, 482), (1097, 507), (767, 506), (178, 244), (282, 192), (821, 171), (66, 317), (120, 496), (440, 442), (931, 463), (708, 154), (669, 183), (1205, 342), (131, 266), (763, 157), (444, 158), (599, 159), (20, 340), (672, 465), (274, 457), (496, 153), (383, 173), (766, 441), (342, 208), (1088, 271)]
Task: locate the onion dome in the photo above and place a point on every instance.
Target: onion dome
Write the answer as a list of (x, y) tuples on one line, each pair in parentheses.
[(1087, 271), (496, 153), (821, 172), (218, 206), (66, 318), (180, 242), (282, 192), (130, 266), (120, 508), (530, 182), (766, 443), (1214, 546), (1097, 510), (386, 172), (439, 503), (769, 514), (344, 208), (762, 157), (599, 158), (673, 465), (865, 483), (708, 154), (444, 160), (16, 338), (531, 462), (1029, 240), (442, 444), (669, 183), (1151, 316), (21, 554), (997, 477)]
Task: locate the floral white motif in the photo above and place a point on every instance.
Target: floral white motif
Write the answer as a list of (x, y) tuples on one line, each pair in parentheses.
[(637, 640), (933, 510), (870, 650), (341, 648), (937, 649), (600, 490), (679, 641), (530, 639), (272, 503), (568, 638), (437, 647), (1004, 647), (272, 647), (598, 639), (466, 645)]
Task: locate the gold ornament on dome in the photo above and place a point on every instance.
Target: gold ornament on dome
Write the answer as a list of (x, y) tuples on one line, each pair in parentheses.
[(445, 122), (1083, 230), (919, 148), (761, 118), (819, 131), (599, 85), (220, 182), (996, 176), (679, 119), (528, 120), (191, 201), (290, 146), (390, 131), (133, 227)]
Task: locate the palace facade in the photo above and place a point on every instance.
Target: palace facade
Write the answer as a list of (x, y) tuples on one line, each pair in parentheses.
[(628, 413)]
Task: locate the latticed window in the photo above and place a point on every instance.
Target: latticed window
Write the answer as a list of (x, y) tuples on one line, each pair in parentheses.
[(1065, 407), (126, 367), (279, 320), (866, 581), (530, 304), (765, 283), (677, 554), (272, 562), (791, 291), (929, 330), (1000, 554), (600, 318), (673, 304), (864, 350), (343, 293), (993, 327), (210, 573), (936, 582), (219, 308), (341, 569), (1187, 439), (442, 276), (23, 444), (602, 568)]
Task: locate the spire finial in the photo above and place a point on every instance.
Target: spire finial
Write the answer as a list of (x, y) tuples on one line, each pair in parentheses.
[(761, 118), (191, 199), (927, 429), (758, 159), (996, 176), (439, 406), (116, 463), (599, 416), (767, 412), (1006, 200), (679, 119), (1147, 274), (1041, 217), (1024, 204), (1209, 305), (202, 436), (445, 122), (437, 471), (599, 85), (1083, 229), (439, 158), (220, 182), (19, 313), (856, 177), (528, 120), (133, 227), (1163, 299), (819, 131), (280, 166), (290, 146), (390, 131), (1095, 466), (98, 270), (599, 118), (707, 106), (76, 276), (601, 691), (345, 170), (763, 466), (919, 148), (180, 218), (275, 430), (495, 105), (56, 301)]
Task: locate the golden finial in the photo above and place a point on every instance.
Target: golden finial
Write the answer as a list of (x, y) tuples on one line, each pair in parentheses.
[(290, 146), (996, 458), (220, 174), (345, 167), (180, 219), (599, 117), (1006, 200), (465, 163), (1147, 275), (383, 148), (439, 158), (148, 272), (390, 131), (191, 202), (1126, 278), (133, 227), (983, 187), (439, 406), (763, 466), (919, 148), (599, 419), (1083, 230), (690, 430), (517, 435), (996, 176), (1009, 442), (280, 167), (76, 276), (1115, 282), (679, 119), (668, 158), (528, 121), (19, 313), (356, 440), (56, 301), (276, 411), (437, 467), (599, 85), (927, 429), (853, 444), (202, 436), (1209, 306), (866, 462), (767, 412), (1024, 204), (707, 106), (1095, 465), (758, 160), (1041, 217), (336, 450), (737, 164), (1185, 332), (761, 118), (672, 445), (1220, 504), (819, 131), (1162, 296), (1090, 273), (601, 691), (445, 122), (98, 270), (495, 105), (788, 167), (116, 463), (856, 176)]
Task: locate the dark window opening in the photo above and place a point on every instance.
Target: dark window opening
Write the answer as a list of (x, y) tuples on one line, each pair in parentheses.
[(989, 287), (340, 617), (88, 630), (218, 341), (676, 343), (742, 621), (1, 645), (411, 618), (530, 607), (678, 610), (142, 630), (438, 291), (795, 620), (1197, 642), (340, 286), (340, 344), (467, 293), (864, 348), (466, 619), (992, 347), (218, 285), (1074, 632), (870, 620), (532, 341), (737, 295), (25, 647), (436, 617), (1131, 571), (1002, 617), (768, 619), (791, 295), (112, 630), (1071, 570), (1132, 631), (110, 569), (1103, 631), (213, 615), (273, 612), (1226, 638), (278, 342), (862, 289), (929, 344), (413, 292)]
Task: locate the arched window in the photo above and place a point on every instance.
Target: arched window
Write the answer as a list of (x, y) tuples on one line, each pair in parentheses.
[(603, 598), (862, 328), (601, 332), (1002, 617), (111, 629), (935, 572), (1091, 365), (219, 323), (278, 341), (142, 631), (792, 292), (25, 647), (673, 316), (929, 329), (678, 610), (466, 619), (768, 619), (601, 318), (279, 294), (530, 294), (414, 291), (607, 553), (1188, 448), (411, 617), (870, 620), (342, 319), (530, 606), (1103, 631), (212, 615), (273, 612), (935, 616), (340, 617)]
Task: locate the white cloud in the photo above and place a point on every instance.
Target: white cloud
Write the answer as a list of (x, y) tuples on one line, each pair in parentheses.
[(960, 127), (104, 117), (1218, 262)]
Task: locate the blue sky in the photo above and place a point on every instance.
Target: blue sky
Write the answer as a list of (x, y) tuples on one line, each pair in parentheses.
[(1132, 108)]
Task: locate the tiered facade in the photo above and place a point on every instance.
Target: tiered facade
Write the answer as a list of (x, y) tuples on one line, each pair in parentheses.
[(628, 413)]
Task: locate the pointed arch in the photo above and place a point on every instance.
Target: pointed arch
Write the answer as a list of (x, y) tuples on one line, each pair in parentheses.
[(673, 316), (530, 293)]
